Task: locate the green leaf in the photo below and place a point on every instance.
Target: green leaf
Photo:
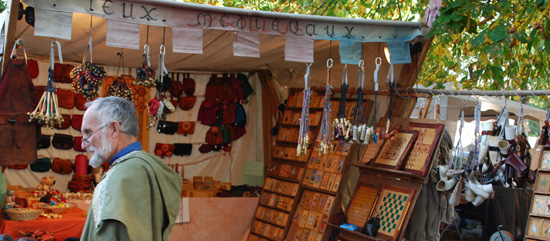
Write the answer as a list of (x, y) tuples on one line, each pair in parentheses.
[(522, 37), (547, 46), (444, 18), (479, 40), (497, 73), (497, 33), (473, 27)]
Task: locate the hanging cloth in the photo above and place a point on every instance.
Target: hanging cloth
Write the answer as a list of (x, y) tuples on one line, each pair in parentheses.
[(19, 136)]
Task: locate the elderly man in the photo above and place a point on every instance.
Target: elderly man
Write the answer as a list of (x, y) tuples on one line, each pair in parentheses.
[(139, 197)]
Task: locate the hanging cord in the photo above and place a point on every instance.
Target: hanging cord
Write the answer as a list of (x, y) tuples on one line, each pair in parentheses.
[(52, 53), (474, 161), (359, 117), (519, 128), (324, 137), (146, 48), (120, 62), (303, 139), (459, 150), (378, 62), (18, 44), (162, 68)]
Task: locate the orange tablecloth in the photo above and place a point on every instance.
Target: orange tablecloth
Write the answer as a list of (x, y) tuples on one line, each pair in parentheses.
[(70, 225)]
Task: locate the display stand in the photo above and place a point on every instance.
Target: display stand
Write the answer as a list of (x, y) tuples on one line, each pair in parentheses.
[(300, 194), (390, 192), (538, 224)]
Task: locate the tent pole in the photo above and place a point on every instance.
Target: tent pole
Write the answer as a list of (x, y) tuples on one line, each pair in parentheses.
[(414, 91), (10, 34)]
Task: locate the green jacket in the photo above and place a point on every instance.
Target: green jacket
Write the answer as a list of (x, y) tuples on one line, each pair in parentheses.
[(138, 199)]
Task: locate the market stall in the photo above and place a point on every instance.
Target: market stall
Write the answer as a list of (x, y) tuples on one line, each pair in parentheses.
[(269, 49)]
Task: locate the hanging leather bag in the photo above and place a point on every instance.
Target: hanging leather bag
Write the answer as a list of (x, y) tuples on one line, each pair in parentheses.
[(19, 136)]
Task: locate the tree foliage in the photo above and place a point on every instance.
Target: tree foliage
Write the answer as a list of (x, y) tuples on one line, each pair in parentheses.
[(488, 44)]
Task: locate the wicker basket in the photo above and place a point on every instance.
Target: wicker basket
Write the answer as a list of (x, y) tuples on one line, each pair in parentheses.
[(23, 214)]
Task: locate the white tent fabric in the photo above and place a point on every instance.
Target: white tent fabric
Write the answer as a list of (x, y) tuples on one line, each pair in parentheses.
[(217, 57), (222, 166)]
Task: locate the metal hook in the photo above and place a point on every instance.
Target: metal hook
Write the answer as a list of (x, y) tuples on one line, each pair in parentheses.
[(329, 63)]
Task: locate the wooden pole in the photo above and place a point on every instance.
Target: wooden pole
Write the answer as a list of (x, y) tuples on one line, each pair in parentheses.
[(13, 9)]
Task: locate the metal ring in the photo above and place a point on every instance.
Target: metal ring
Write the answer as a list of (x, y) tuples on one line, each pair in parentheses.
[(329, 63), (361, 63), (378, 61)]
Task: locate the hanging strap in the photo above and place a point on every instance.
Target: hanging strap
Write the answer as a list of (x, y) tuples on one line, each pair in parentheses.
[(477, 117), (52, 53), (163, 71), (14, 52), (378, 62), (88, 49), (147, 55), (519, 129)]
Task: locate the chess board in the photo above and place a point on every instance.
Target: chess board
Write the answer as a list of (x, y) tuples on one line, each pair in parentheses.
[(418, 161), (392, 208)]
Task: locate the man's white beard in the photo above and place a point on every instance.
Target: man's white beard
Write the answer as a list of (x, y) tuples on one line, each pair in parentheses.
[(99, 155)]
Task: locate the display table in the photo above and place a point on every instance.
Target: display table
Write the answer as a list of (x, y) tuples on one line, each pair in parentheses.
[(210, 219), (220, 219), (70, 225)]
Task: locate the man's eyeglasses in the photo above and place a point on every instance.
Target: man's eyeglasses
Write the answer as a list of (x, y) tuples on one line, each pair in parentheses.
[(85, 139)]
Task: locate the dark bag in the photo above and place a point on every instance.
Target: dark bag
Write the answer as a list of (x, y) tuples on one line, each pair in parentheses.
[(371, 227), (44, 142), (167, 127), (62, 166), (19, 136), (41, 165), (182, 149), (62, 141)]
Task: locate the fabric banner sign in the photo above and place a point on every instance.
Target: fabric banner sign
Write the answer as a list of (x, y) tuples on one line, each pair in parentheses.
[(299, 50), (246, 45), (400, 53), (122, 35), (350, 52), (182, 15), (187, 41), (53, 24)]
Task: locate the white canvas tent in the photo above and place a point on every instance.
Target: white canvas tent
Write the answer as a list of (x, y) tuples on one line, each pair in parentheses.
[(217, 57)]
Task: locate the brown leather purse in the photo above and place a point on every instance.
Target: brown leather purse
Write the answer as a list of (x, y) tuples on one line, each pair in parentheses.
[(62, 166)]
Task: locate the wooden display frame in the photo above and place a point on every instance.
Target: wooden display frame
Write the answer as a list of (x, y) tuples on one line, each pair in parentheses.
[(545, 160), (392, 208), (543, 182), (388, 156), (362, 205), (424, 147), (534, 227)]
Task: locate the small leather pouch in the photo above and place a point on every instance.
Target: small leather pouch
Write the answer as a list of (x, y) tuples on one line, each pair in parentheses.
[(168, 105), (62, 166), (44, 142), (182, 149), (32, 66), (207, 113), (186, 128), (62, 141), (164, 150), (228, 112), (19, 167), (66, 98), (76, 122), (240, 115), (371, 227), (514, 161), (187, 103), (167, 127), (205, 148), (66, 122), (214, 136), (80, 101), (77, 146), (41, 165)]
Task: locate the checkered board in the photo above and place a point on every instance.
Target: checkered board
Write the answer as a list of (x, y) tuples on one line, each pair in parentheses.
[(392, 209)]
